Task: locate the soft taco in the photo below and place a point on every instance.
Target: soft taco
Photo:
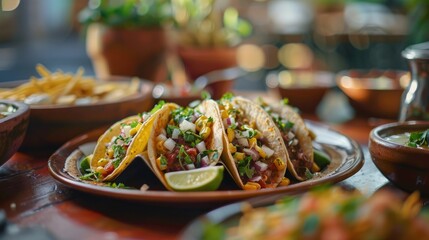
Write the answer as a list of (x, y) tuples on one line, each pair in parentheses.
[(120, 144), (254, 152), (296, 137), (185, 138)]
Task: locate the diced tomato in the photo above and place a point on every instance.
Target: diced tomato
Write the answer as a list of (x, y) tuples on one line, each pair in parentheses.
[(192, 151), (108, 169), (171, 156), (262, 183)]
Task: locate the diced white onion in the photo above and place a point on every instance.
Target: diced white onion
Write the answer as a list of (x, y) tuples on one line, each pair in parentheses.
[(161, 137), (126, 130), (255, 179), (245, 133), (261, 166), (267, 151), (175, 134), (295, 142), (205, 161), (185, 125), (145, 116), (190, 166), (252, 153), (290, 135), (201, 146), (169, 144), (193, 118), (225, 123), (243, 142), (228, 122)]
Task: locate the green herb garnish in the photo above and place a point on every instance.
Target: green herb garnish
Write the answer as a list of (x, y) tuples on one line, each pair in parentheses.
[(419, 139), (157, 106), (205, 95), (284, 101), (244, 167), (116, 185)]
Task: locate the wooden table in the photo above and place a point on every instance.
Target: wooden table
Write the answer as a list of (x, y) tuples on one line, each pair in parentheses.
[(29, 195)]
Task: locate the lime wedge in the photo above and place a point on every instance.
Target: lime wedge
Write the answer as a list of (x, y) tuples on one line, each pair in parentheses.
[(321, 158), (200, 179)]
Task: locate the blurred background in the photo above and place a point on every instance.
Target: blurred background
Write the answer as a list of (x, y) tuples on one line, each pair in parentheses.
[(328, 35)]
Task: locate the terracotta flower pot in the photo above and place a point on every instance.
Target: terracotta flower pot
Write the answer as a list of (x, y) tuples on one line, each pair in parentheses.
[(126, 52), (199, 61)]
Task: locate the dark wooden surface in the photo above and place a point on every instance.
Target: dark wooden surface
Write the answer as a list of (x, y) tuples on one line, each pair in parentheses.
[(30, 196)]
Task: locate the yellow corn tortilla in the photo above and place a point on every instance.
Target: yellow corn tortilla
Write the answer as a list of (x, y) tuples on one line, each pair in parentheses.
[(137, 146), (213, 142)]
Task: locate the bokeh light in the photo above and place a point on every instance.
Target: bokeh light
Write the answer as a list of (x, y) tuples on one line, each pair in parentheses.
[(9, 5), (295, 56), (250, 57)]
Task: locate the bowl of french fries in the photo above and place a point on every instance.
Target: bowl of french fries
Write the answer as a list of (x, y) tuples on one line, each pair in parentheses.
[(65, 105)]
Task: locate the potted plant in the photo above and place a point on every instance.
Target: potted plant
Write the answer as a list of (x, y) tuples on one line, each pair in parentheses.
[(126, 37), (207, 34)]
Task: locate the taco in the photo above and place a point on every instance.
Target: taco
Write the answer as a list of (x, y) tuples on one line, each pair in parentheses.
[(120, 144), (254, 152), (296, 137), (185, 138)]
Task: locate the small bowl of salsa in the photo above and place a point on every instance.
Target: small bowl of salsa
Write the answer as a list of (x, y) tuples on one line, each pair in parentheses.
[(400, 151)]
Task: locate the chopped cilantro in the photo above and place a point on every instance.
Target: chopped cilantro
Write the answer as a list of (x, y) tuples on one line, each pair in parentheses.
[(282, 124), (205, 95), (244, 167), (183, 156), (157, 106), (170, 129), (284, 101), (134, 124), (163, 161), (227, 96), (308, 174), (93, 176), (182, 113), (118, 152), (191, 137), (116, 185), (116, 162), (419, 139)]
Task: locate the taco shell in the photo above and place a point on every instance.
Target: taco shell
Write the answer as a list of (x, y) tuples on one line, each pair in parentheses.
[(265, 125), (212, 142), (304, 136), (137, 145)]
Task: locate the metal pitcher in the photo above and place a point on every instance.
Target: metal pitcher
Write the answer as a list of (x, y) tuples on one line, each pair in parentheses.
[(415, 99)]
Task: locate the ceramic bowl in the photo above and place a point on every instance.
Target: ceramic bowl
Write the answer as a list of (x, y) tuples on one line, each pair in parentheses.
[(374, 93), (14, 118), (406, 167), (52, 125), (304, 89), (216, 83)]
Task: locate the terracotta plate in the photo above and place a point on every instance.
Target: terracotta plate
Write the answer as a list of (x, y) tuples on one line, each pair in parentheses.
[(346, 154)]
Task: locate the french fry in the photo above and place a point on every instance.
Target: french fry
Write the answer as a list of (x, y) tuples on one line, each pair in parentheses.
[(66, 88)]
